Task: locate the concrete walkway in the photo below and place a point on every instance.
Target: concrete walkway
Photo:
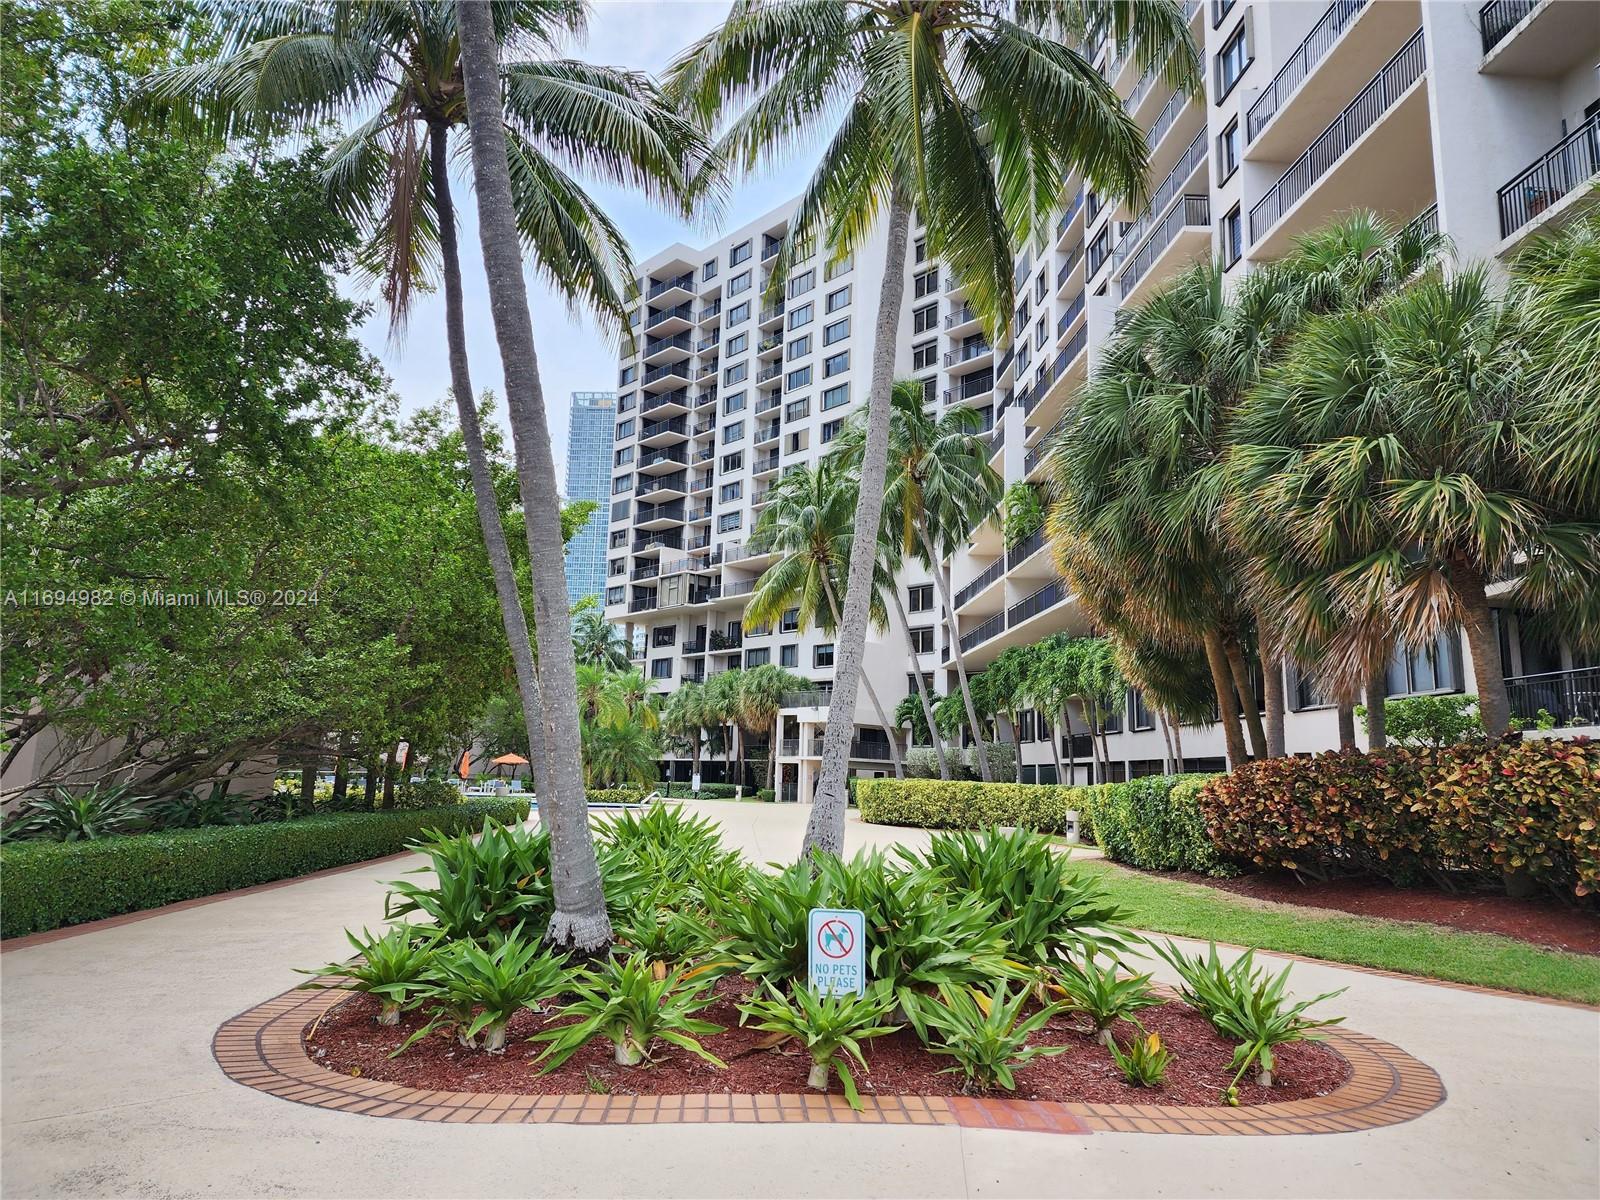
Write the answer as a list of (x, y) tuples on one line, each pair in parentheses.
[(110, 1090)]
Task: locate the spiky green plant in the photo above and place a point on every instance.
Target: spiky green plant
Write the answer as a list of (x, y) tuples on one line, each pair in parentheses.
[(1144, 1062), (78, 816), (1102, 994), (394, 968), (985, 1032), (830, 1027), (623, 1002), (473, 990), (480, 885)]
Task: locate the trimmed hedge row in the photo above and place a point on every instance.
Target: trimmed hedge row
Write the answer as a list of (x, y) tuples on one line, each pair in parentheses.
[(959, 804), (45, 885), (1155, 822)]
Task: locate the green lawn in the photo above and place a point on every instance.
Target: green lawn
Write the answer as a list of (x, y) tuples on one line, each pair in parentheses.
[(1193, 910)]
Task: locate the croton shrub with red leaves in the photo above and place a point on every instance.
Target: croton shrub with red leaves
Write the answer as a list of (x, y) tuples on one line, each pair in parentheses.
[(1488, 808)]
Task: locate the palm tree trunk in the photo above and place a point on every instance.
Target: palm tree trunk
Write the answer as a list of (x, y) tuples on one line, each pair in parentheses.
[(922, 687), (866, 681), (506, 590), (1016, 744), (1072, 756), (579, 920), (1098, 765), (943, 584), (1227, 705), (1494, 704), (1272, 689), (825, 829), (1347, 725), (1055, 749), (1177, 742), (1247, 695), (1377, 722), (772, 754), (1105, 746), (1166, 738)]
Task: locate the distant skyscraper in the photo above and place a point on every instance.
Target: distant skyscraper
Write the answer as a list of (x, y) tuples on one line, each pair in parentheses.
[(589, 438)]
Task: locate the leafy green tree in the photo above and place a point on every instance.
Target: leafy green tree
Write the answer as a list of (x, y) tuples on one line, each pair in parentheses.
[(597, 641), (950, 107)]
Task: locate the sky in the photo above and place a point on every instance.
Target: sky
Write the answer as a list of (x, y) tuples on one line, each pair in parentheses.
[(573, 354)]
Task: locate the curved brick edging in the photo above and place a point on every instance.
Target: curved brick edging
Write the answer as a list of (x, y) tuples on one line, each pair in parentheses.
[(263, 1048)]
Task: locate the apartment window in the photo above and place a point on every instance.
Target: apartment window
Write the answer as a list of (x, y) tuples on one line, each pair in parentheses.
[(739, 314), (1139, 715), (708, 270), (838, 299), (1233, 60), (626, 403), (1304, 692), (619, 538), (1040, 288), (1219, 10), (802, 283), (615, 595), (629, 374), (619, 566), (925, 319), (732, 404), (1232, 238), (822, 656), (925, 355), (737, 345), (739, 283), (799, 348), (1435, 667), (919, 250), (732, 462), (926, 284), (836, 269), (1023, 313), (729, 520), (661, 668), (836, 364), (800, 315), (739, 254), (789, 655), (797, 410), (797, 379), (836, 332), (920, 598), (1039, 332), (757, 658), (930, 390), (922, 639), (732, 433), (731, 491), (790, 621), (835, 396), (737, 373), (622, 483), (1228, 151), (830, 430)]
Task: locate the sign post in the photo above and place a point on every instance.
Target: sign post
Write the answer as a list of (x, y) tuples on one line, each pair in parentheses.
[(837, 951)]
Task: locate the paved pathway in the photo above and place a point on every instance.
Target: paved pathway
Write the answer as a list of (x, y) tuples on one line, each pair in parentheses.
[(110, 1090)]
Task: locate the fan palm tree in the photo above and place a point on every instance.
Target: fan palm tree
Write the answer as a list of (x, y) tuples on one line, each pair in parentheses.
[(939, 488), (596, 640), (950, 107), (807, 523), (393, 74)]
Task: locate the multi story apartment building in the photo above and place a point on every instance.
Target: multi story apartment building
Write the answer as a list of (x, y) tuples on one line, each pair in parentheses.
[(1483, 121), (589, 433)]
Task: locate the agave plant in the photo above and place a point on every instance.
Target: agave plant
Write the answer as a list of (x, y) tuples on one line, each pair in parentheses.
[(67, 816), (481, 885), (1103, 995), (626, 1004), (474, 990), (831, 1027), (986, 1033), (395, 968)]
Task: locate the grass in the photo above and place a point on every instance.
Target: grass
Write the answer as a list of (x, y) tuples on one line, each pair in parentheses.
[(1487, 960)]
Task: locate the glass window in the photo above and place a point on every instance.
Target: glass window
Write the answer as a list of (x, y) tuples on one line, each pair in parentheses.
[(758, 657), (622, 483), (1232, 238), (619, 566), (624, 457), (835, 364), (838, 299), (789, 655), (732, 404), (709, 270), (619, 538), (661, 668), (802, 283), (739, 314), (737, 344), (797, 379), (1435, 667), (923, 639), (729, 520), (732, 462), (836, 269), (920, 598), (830, 430), (614, 595), (629, 374), (1139, 715), (739, 283), (1233, 60), (799, 348), (790, 621), (925, 355), (925, 318), (732, 433), (732, 491), (739, 253), (800, 315), (919, 250), (822, 656), (626, 403), (835, 396), (1228, 151), (836, 332), (736, 373), (926, 284)]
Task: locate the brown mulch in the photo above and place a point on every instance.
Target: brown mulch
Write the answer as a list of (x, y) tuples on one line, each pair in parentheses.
[(349, 1041), (1540, 920)]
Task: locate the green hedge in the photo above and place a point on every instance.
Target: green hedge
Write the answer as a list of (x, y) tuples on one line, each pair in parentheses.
[(623, 793), (957, 804), (44, 885), (1154, 822)]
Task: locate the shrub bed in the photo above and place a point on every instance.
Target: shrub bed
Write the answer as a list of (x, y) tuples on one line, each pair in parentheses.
[(623, 793), (1154, 822), (958, 804), (44, 885)]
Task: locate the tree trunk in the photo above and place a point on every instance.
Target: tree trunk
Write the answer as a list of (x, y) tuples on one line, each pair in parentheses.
[(579, 920), (1494, 704), (1072, 756), (825, 829), (308, 784), (866, 680), (1016, 745), (1247, 696), (390, 767), (772, 754), (1166, 740), (922, 687), (1055, 748), (1099, 730), (341, 773), (1097, 772), (1177, 742), (370, 784), (943, 584), (509, 595), (1347, 725), (1377, 719), (1227, 705), (1272, 689)]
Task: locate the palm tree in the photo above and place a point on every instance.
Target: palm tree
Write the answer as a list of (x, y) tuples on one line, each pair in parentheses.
[(600, 701), (627, 752), (940, 488), (1006, 680), (886, 582), (761, 691), (684, 718), (722, 711), (950, 107), (580, 919), (807, 523), (596, 640)]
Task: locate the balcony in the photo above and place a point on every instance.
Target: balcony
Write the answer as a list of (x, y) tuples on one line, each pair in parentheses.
[(721, 641), (960, 317), (665, 459), (650, 485), (979, 383), (648, 571), (678, 346), (642, 604), (700, 512), (1567, 168), (699, 541), (663, 433), (658, 516), (769, 314), (814, 698), (669, 320), (770, 248), (711, 311), (1022, 551), (764, 464), (789, 748), (1571, 697), (1133, 234), (708, 342), (1070, 314), (703, 427), (666, 375), (1383, 175), (768, 344), (994, 626), (670, 287), (872, 751), (1537, 38), (768, 432), (970, 352), (1300, 63), (771, 371), (1048, 596), (698, 646), (1186, 228), (980, 581), (1064, 225)]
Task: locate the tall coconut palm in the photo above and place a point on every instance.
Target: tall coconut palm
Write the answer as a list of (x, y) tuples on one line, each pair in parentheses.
[(580, 919), (939, 488), (807, 523), (886, 582), (390, 73), (722, 711), (950, 107), (596, 640), (761, 691)]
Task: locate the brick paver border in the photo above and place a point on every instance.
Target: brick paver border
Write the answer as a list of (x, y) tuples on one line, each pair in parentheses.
[(264, 1048)]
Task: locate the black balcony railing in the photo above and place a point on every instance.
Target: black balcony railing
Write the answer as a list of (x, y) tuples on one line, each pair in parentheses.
[(660, 512), (1070, 313), (678, 370), (967, 353), (1573, 161), (878, 751), (698, 646), (1133, 234), (672, 454), (1499, 17), (993, 627), (1028, 546), (979, 383), (662, 399), (1571, 697), (1300, 63), (1048, 596), (658, 316), (1166, 119), (663, 483), (1072, 258), (681, 341), (981, 580), (726, 641), (670, 425), (1190, 211), (685, 281), (642, 604), (1360, 115)]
